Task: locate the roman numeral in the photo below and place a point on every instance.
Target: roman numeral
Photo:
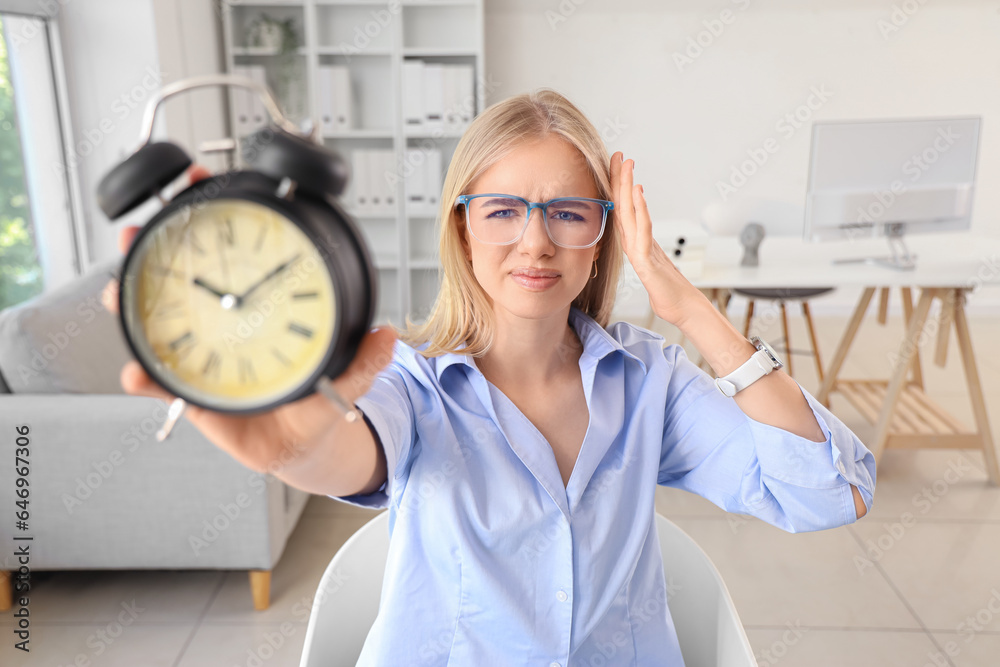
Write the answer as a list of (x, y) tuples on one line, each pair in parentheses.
[(246, 371), (282, 358), (226, 232), (260, 237), (183, 340), (212, 364), (301, 330), (197, 246), (161, 270), (193, 240), (169, 310)]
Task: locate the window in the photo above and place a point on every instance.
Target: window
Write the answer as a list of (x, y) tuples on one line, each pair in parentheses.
[(39, 239)]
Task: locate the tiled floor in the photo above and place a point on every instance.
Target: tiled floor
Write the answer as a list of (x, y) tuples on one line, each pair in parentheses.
[(877, 593)]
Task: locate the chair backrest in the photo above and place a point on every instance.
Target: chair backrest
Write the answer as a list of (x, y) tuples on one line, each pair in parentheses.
[(708, 628), (348, 596)]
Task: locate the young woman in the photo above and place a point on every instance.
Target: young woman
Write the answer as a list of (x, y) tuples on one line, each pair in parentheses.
[(517, 437)]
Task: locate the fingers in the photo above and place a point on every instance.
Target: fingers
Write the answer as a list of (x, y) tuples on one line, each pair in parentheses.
[(616, 170), (135, 381), (197, 172), (109, 297), (627, 201), (126, 236), (643, 223)]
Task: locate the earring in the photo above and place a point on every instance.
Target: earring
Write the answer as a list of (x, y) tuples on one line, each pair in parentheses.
[(595, 270)]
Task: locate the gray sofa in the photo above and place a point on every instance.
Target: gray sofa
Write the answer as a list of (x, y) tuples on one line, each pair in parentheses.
[(104, 493)]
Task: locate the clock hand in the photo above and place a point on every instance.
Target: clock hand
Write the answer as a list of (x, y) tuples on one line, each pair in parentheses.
[(278, 269), (201, 283), (222, 254)]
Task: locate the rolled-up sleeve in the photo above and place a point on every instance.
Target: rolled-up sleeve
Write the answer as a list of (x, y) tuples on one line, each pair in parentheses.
[(389, 412), (712, 448)]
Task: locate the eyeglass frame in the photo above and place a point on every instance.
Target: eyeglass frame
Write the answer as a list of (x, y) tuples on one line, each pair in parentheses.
[(544, 207)]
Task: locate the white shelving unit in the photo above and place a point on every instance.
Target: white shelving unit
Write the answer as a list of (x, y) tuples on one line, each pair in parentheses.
[(373, 39)]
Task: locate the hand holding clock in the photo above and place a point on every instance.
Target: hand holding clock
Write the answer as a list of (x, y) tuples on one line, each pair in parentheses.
[(264, 441)]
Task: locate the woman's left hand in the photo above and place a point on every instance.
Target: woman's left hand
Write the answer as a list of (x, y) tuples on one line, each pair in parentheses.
[(670, 293)]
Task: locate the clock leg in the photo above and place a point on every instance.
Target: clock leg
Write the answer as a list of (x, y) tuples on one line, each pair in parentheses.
[(260, 589)]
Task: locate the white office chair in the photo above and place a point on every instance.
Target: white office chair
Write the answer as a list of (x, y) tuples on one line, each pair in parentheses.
[(347, 600)]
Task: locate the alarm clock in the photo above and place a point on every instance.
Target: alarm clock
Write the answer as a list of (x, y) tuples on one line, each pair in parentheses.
[(248, 289)]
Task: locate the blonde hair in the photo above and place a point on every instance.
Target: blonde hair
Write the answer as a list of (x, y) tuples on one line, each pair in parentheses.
[(462, 312)]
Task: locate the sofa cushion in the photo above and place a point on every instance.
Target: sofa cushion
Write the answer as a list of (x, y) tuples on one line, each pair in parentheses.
[(64, 341)]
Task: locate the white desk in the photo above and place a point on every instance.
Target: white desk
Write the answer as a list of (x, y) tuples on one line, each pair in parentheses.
[(949, 266)]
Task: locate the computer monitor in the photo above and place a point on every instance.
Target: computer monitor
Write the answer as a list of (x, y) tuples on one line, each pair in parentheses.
[(886, 177)]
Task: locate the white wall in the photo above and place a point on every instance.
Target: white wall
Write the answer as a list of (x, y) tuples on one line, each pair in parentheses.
[(189, 40), (688, 126), (111, 70), (117, 54)]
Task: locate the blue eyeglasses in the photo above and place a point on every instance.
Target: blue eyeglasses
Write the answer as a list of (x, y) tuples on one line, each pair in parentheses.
[(570, 222)]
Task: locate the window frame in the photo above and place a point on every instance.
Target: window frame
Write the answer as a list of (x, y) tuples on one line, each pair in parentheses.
[(61, 261)]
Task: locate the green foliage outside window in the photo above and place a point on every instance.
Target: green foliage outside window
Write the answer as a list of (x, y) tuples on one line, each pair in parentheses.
[(20, 272)]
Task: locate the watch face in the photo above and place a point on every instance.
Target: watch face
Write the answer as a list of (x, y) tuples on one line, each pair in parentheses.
[(763, 344), (228, 304)]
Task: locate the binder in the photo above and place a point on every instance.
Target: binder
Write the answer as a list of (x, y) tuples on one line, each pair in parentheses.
[(433, 97), (362, 200), (414, 183), (382, 198), (388, 183), (413, 99), (326, 99), (258, 114), (375, 187), (241, 105), (449, 94), (433, 179), (343, 97), (466, 86)]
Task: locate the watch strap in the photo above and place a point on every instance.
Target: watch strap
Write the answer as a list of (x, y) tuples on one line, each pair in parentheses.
[(753, 369)]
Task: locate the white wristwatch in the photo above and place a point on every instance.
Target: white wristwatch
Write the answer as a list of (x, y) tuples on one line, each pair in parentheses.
[(763, 361)]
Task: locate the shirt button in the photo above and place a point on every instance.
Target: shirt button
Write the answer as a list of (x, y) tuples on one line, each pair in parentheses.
[(562, 596), (840, 467), (554, 664)]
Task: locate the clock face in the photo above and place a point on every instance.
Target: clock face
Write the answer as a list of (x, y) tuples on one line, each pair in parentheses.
[(230, 304)]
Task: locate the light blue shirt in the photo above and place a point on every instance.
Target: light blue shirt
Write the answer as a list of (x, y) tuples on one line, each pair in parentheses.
[(492, 561)]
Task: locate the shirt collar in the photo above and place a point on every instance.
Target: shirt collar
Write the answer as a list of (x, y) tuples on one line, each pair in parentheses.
[(597, 342)]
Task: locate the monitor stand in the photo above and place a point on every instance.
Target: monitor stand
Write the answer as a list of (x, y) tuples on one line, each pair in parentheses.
[(901, 258)]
